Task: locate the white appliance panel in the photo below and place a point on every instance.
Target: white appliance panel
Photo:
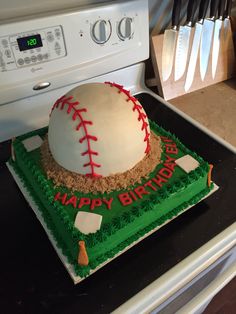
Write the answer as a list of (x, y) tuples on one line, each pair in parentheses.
[(31, 48), (93, 41)]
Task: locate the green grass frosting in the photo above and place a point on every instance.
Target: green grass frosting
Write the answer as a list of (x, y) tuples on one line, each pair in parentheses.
[(121, 225)]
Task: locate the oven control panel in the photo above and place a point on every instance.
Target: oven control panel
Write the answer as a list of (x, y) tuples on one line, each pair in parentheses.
[(48, 52), (32, 47)]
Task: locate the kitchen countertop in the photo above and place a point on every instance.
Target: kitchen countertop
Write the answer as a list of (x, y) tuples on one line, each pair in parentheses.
[(214, 107)]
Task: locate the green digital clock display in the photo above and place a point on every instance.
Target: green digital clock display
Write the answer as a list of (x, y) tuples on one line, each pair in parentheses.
[(29, 42), (32, 42)]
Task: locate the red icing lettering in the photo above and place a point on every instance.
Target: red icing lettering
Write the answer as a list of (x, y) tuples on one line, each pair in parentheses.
[(140, 190), (96, 202), (133, 195), (72, 200), (108, 202), (58, 197), (169, 159), (84, 201), (158, 180), (172, 150), (125, 199), (149, 184), (170, 145), (166, 173), (170, 165), (165, 139)]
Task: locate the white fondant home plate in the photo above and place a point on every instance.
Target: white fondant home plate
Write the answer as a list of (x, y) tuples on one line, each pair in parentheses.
[(88, 222), (62, 257)]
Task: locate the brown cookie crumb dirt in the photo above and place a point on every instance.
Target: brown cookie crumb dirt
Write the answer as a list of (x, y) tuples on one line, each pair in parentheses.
[(75, 181)]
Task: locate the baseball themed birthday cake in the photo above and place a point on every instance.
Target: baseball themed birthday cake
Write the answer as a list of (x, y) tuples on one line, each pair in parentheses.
[(103, 176)]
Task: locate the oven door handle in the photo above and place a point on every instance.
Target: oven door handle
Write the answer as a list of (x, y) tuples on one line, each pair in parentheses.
[(165, 289), (202, 299)]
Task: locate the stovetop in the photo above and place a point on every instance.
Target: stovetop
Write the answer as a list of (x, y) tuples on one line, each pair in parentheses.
[(33, 280)]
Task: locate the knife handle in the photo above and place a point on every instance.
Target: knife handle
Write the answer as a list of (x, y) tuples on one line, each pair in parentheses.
[(214, 8), (176, 13), (228, 8), (221, 9), (191, 9), (203, 9)]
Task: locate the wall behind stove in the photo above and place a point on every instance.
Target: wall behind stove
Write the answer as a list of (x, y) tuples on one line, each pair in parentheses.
[(159, 10), (19, 8)]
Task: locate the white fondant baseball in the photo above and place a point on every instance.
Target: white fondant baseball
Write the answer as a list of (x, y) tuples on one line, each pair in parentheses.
[(98, 129)]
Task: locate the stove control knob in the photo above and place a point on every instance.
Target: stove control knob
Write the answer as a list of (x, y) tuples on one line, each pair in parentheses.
[(101, 31), (125, 28)]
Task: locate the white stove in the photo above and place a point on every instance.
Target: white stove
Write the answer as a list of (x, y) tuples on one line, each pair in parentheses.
[(43, 57)]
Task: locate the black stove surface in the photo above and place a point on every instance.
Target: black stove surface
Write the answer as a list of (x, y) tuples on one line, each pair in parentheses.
[(33, 279)]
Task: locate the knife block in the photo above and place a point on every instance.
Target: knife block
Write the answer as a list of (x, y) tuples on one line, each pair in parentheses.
[(172, 89)]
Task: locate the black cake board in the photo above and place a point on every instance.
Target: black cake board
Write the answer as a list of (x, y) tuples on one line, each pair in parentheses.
[(76, 279)]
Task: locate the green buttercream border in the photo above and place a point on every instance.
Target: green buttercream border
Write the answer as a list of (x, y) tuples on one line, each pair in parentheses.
[(48, 221), (117, 223)]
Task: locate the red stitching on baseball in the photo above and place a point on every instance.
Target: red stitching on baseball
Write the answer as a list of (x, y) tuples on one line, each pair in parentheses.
[(141, 116), (77, 113)]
